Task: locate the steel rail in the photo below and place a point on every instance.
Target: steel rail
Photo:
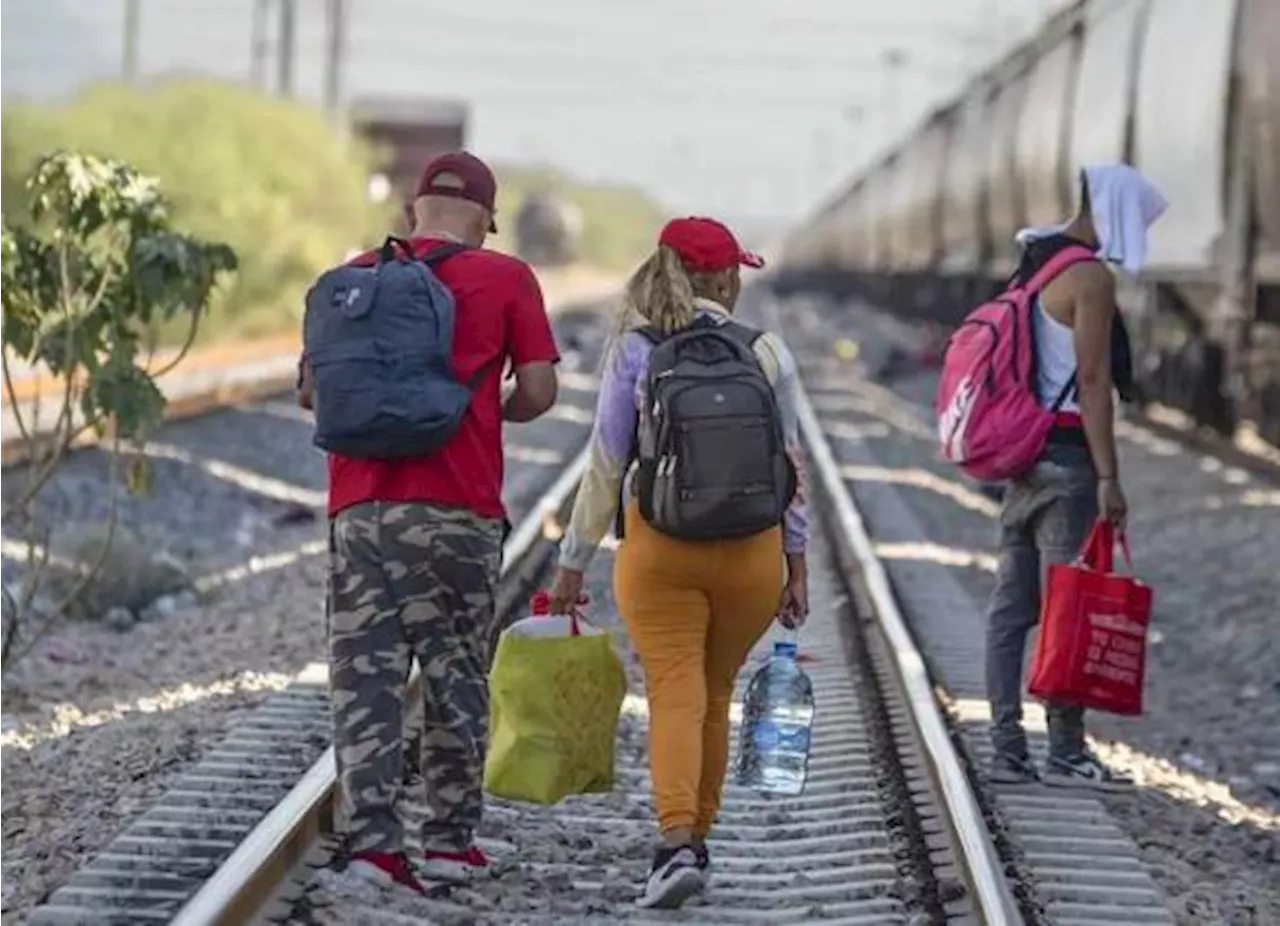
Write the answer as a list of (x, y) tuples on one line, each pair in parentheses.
[(981, 865), (245, 880)]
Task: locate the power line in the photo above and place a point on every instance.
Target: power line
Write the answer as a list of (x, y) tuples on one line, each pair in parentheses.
[(259, 48), (537, 58), (129, 59), (335, 14), (287, 40)]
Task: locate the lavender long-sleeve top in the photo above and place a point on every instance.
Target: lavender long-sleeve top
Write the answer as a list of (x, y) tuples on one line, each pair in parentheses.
[(622, 393)]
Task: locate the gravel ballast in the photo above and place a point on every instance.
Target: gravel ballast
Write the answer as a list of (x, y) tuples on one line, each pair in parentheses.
[(99, 719), (1206, 812)]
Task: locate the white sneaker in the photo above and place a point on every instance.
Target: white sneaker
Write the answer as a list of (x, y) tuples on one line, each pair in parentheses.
[(1083, 771), (673, 879)]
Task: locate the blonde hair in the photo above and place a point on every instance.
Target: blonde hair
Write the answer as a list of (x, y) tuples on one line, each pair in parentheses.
[(660, 293)]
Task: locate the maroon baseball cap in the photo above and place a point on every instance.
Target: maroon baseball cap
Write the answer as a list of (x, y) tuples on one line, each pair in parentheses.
[(474, 183), (706, 245)]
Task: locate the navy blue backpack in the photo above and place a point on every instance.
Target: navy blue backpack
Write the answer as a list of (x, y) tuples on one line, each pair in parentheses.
[(379, 342)]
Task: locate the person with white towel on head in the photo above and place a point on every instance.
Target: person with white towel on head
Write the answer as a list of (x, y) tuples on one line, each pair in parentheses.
[(1082, 352)]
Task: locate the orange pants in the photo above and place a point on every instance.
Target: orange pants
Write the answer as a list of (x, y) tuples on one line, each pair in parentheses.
[(694, 609)]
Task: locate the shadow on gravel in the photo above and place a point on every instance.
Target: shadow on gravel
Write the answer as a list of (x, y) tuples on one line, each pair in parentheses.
[(65, 798), (220, 485)]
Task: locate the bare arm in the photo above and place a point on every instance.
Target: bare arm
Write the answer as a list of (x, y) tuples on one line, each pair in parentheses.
[(1095, 305), (535, 392)]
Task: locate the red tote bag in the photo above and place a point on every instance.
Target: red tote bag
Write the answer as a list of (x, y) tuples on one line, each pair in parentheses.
[(1092, 645)]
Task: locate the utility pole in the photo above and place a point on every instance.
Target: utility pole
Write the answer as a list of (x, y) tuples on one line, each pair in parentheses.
[(258, 48), (129, 61), (288, 21), (335, 55), (894, 61)]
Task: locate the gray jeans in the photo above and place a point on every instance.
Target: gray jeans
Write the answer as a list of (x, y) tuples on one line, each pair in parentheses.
[(1045, 518)]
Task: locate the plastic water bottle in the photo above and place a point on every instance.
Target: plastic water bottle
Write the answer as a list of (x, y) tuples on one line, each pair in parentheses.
[(777, 717)]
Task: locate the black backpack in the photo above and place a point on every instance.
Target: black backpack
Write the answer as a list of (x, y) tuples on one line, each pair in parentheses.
[(712, 455)]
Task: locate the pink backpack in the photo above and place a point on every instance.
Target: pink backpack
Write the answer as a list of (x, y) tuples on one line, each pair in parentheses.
[(990, 420)]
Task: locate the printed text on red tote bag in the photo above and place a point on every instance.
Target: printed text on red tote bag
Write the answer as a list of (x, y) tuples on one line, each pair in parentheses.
[(1116, 642)]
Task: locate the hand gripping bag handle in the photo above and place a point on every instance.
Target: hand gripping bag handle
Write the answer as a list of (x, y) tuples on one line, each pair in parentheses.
[(540, 606), (1098, 550)]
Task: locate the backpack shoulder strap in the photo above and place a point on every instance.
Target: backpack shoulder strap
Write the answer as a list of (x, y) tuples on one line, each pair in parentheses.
[(1067, 257), (744, 334), (387, 252), (650, 334)]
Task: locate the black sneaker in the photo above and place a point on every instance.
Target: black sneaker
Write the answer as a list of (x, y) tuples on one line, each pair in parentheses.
[(704, 862), (1083, 771), (674, 878), (1008, 769)]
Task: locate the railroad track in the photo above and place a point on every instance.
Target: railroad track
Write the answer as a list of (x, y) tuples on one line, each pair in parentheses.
[(895, 826), (231, 487), (1070, 860), (888, 830), (251, 803)]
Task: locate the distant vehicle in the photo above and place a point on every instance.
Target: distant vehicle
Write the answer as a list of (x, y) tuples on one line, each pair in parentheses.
[(1185, 90), (548, 230)]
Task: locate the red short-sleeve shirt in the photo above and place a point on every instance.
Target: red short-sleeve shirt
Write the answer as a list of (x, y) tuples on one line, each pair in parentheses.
[(500, 316)]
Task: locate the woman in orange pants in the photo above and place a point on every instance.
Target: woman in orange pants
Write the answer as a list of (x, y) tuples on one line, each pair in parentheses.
[(694, 608)]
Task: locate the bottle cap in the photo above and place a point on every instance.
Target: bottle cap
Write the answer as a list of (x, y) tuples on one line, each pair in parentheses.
[(785, 648)]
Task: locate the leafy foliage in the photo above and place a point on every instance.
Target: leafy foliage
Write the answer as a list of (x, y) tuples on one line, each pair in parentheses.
[(84, 282), (266, 175), (270, 177)]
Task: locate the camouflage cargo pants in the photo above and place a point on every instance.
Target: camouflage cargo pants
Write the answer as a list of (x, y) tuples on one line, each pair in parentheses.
[(410, 580)]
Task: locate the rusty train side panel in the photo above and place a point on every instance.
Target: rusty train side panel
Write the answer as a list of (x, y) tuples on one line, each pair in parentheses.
[(1186, 90)]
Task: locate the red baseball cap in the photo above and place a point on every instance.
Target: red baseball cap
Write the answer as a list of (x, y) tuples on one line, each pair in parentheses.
[(706, 245), (475, 182)]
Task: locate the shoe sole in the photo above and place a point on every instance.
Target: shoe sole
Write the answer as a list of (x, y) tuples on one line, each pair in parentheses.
[(369, 873), (1077, 783), (446, 872), (675, 892), (999, 773)]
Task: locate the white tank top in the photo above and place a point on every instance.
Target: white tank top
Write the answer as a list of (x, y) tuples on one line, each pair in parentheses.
[(1056, 358)]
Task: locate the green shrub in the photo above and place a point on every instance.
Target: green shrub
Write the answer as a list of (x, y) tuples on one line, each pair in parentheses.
[(95, 265), (266, 175), (270, 177)]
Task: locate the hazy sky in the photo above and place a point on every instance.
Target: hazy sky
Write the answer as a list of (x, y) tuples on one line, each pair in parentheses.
[(745, 108)]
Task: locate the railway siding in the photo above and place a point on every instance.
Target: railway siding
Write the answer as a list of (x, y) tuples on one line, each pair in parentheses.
[(1198, 837), (103, 722)]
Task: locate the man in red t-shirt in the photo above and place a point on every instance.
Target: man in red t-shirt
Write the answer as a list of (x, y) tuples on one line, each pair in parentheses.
[(415, 548)]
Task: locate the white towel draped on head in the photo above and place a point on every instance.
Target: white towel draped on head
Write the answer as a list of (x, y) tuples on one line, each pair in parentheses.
[(1124, 204)]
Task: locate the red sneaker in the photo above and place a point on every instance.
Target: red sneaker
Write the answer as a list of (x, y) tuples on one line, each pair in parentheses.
[(455, 867), (385, 869)]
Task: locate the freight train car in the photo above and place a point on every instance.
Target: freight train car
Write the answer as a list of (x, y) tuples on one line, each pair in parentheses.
[(1186, 90)]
